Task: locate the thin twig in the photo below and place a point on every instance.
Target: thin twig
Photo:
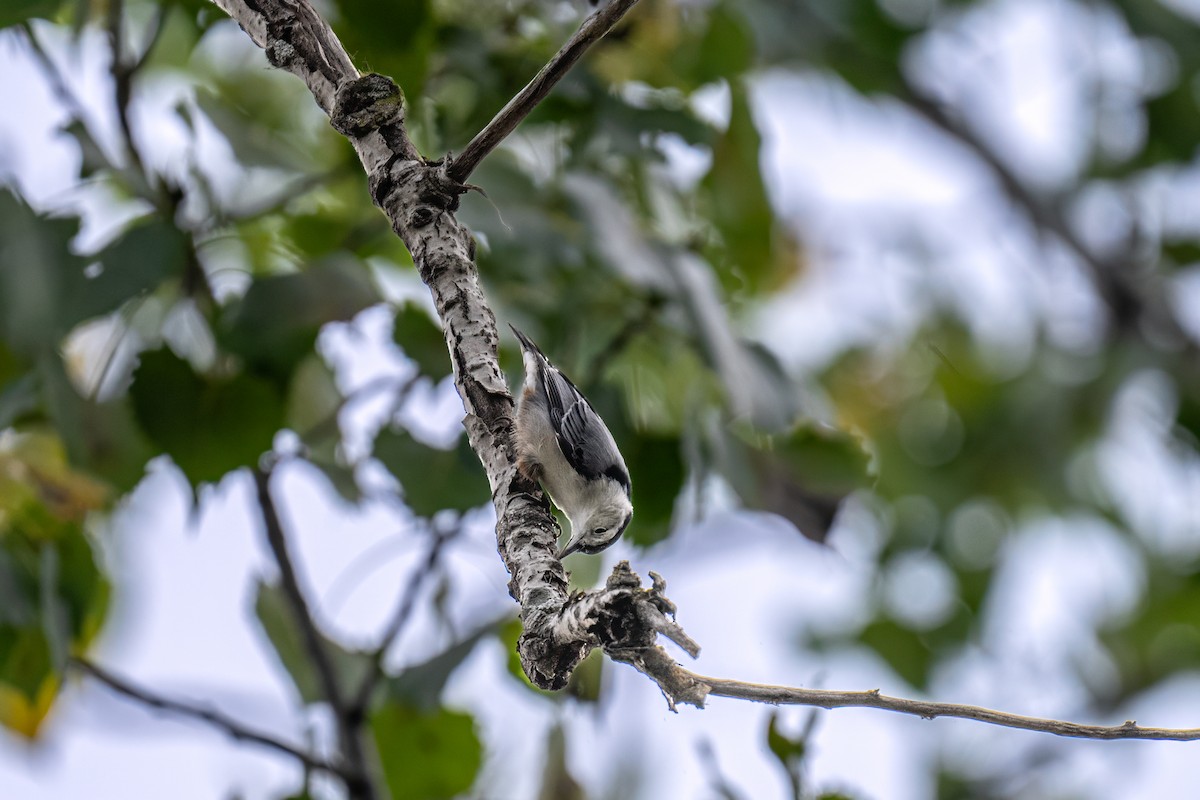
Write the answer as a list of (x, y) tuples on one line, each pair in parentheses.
[(327, 426), (58, 82), (156, 30), (122, 75), (786, 695), (301, 613), (314, 644), (591, 31), (633, 326), (717, 781), (1110, 277), (400, 618), (232, 727)]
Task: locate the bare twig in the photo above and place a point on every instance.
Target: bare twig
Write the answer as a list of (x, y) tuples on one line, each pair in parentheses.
[(54, 76), (720, 785), (1128, 302), (232, 727), (823, 698), (506, 121), (633, 326), (122, 75), (400, 617), (156, 30), (301, 613), (327, 426), (348, 733)]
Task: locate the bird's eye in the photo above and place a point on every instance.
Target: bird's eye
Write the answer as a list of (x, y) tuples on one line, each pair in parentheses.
[(598, 530)]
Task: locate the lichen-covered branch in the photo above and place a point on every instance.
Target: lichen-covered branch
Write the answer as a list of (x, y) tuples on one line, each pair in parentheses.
[(420, 198)]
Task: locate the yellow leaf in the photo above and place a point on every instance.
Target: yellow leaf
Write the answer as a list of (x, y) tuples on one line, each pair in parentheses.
[(19, 714)]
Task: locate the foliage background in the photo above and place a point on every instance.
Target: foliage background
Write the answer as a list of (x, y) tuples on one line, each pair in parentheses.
[(785, 283)]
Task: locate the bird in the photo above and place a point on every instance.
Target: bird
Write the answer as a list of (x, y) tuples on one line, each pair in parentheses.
[(562, 443)]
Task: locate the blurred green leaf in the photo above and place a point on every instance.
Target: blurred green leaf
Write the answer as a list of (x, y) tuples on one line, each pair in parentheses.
[(803, 476), (35, 261), (557, 781), (208, 425), (903, 650), (1182, 253), (657, 461), (18, 388), (741, 209), (272, 609), (433, 479), (313, 402), (790, 751), (53, 597), (14, 12), (138, 261), (509, 634), (426, 755), (92, 156), (873, 63), (249, 113), (419, 686), (421, 340), (1172, 124), (587, 679), (45, 289), (394, 38), (825, 460), (726, 49), (275, 324), (101, 437), (1161, 639), (787, 749)]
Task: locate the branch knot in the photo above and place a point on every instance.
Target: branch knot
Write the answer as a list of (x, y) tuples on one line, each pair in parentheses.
[(365, 104)]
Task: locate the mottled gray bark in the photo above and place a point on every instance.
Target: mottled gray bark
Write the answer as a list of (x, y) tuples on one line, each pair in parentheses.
[(420, 199)]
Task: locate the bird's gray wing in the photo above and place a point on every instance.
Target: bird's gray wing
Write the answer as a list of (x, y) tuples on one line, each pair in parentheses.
[(582, 435)]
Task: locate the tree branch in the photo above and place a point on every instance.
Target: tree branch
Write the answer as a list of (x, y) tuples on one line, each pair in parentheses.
[(785, 695), (122, 75), (506, 121), (400, 618), (1129, 302), (297, 603), (210, 716), (58, 82), (420, 198), (683, 686), (351, 746)]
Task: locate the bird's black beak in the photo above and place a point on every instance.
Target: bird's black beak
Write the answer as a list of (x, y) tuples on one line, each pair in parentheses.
[(571, 547)]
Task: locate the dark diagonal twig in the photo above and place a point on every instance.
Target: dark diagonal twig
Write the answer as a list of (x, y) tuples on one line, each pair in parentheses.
[(314, 644), (400, 617), (216, 719), (1112, 277), (506, 121)]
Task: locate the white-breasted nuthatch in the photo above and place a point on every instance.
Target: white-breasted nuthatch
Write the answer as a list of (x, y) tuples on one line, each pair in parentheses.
[(563, 443)]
